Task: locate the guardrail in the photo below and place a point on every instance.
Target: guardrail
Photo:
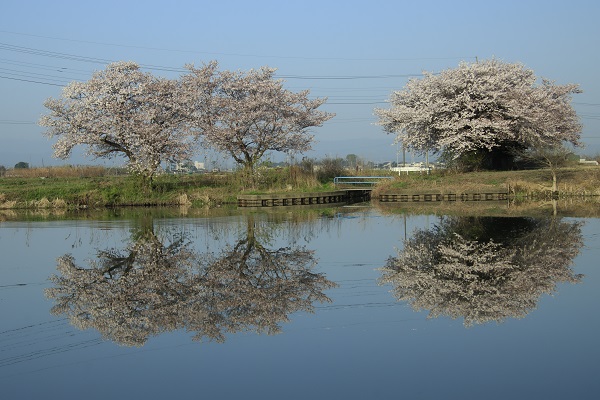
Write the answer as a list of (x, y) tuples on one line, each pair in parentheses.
[(359, 180)]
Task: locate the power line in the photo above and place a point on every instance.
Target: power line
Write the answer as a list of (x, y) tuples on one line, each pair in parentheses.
[(73, 57), (31, 81), (94, 60), (52, 54), (53, 80), (356, 103), (41, 66), (240, 54), (15, 72), (13, 122), (587, 104), (351, 77)]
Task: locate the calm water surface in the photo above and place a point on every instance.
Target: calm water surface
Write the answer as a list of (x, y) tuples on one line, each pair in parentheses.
[(329, 304)]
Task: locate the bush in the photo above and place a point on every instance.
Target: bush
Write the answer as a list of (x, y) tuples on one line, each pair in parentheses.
[(330, 168)]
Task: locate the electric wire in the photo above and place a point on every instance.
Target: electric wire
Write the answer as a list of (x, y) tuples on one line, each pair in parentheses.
[(400, 59)]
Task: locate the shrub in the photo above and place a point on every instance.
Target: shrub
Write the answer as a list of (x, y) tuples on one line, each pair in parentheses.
[(330, 168)]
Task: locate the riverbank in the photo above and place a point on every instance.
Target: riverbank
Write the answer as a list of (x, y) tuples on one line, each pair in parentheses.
[(82, 192), (201, 190), (580, 181)]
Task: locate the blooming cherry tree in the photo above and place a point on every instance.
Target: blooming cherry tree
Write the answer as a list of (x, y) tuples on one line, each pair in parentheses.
[(252, 113), (481, 107), (122, 111)]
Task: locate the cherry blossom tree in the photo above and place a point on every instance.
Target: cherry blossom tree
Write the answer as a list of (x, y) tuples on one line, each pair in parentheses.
[(122, 111), (252, 113), (487, 108)]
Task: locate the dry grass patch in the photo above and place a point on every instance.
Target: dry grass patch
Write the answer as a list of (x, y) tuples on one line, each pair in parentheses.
[(58, 172), (577, 181)]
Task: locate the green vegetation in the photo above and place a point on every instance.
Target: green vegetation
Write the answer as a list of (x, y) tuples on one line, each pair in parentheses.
[(21, 164), (96, 187)]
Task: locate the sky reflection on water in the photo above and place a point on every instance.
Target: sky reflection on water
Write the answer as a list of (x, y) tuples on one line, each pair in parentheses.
[(362, 341)]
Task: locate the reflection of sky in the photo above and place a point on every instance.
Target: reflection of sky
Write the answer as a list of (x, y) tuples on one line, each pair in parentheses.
[(362, 345), (29, 251)]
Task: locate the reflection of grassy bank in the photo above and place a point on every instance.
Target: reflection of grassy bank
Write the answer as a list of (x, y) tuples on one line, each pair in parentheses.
[(588, 207), (292, 214), (110, 214)]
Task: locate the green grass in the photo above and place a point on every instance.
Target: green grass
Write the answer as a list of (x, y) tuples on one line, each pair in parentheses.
[(95, 192), (76, 192)]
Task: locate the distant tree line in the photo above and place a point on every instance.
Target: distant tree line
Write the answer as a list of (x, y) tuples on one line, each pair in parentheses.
[(19, 165)]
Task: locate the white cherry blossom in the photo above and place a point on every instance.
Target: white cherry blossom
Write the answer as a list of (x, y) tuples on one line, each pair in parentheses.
[(122, 111), (480, 107), (250, 113)]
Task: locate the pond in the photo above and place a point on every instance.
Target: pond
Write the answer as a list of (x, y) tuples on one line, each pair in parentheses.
[(347, 302)]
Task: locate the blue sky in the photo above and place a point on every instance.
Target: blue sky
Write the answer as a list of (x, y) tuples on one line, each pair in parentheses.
[(353, 52)]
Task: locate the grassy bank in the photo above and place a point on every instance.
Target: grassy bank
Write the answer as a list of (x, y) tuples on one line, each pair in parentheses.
[(94, 188), (532, 184), (110, 191)]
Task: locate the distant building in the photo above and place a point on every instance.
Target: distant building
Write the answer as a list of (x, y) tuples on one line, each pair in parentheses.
[(414, 167), (587, 162), (186, 167)]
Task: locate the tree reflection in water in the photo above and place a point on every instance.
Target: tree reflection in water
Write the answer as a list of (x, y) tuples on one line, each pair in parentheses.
[(154, 286), (484, 268)]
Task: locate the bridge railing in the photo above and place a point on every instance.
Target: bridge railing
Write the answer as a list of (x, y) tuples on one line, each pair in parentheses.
[(359, 181)]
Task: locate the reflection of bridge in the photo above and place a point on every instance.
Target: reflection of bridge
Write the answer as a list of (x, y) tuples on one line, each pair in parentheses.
[(433, 197), (304, 199)]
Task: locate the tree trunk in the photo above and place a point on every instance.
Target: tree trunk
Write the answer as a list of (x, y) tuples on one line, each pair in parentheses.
[(554, 185), (248, 175)]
